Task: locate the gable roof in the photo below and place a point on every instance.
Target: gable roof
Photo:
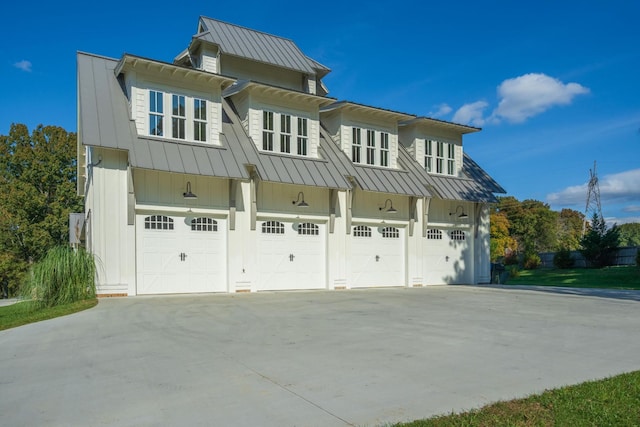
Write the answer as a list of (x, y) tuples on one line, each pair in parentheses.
[(258, 46)]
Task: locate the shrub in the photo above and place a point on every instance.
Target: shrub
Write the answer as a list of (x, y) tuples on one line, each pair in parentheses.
[(63, 276), (531, 261), (511, 259), (514, 271), (563, 259)]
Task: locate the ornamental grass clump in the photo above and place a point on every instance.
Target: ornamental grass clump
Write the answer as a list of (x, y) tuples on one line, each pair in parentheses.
[(63, 276)]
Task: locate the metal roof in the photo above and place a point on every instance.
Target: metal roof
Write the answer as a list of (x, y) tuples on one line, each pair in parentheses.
[(258, 46), (475, 172)]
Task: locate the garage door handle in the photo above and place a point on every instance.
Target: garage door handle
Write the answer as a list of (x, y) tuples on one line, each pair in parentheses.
[(182, 256), (291, 257), (377, 258)]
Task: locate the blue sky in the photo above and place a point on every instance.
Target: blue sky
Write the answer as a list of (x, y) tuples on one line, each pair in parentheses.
[(554, 84)]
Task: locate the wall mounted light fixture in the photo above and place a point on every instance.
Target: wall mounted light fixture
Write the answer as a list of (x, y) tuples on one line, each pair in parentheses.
[(300, 201), (188, 194), (391, 209), (462, 215)]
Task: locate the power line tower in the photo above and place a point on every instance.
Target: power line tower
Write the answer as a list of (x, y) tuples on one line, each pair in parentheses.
[(593, 198)]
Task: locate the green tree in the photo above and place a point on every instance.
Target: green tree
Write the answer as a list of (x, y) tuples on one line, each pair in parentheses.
[(502, 243), (532, 224), (569, 229), (630, 234), (600, 242), (37, 193)]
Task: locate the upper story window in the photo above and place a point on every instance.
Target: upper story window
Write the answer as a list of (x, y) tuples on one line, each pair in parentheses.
[(184, 109), (199, 119), (278, 129), (178, 117), (440, 157), (384, 149), (267, 130), (371, 147), (156, 112), (356, 145), (303, 136)]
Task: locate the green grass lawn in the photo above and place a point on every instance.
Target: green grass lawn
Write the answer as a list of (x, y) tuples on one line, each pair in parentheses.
[(613, 401), (21, 313), (627, 277)]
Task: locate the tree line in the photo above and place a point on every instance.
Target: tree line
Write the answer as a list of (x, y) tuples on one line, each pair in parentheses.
[(520, 230)]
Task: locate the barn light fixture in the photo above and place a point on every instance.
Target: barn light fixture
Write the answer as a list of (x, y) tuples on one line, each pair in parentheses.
[(188, 194), (300, 201), (391, 208), (462, 215)]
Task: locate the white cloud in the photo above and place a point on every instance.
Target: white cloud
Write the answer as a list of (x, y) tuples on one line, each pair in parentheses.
[(619, 188), (23, 65), (443, 110), (631, 209), (471, 114), (532, 94)]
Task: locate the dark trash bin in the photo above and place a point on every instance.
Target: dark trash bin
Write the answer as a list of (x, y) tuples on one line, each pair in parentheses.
[(499, 273)]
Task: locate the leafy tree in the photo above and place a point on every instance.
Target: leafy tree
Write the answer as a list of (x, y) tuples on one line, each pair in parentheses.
[(502, 244), (630, 234), (600, 242), (569, 230), (37, 193), (532, 223)]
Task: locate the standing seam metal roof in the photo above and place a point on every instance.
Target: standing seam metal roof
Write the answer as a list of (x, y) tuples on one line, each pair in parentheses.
[(258, 46)]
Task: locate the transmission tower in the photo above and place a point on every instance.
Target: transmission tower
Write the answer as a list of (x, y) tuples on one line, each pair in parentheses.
[(593, 198)]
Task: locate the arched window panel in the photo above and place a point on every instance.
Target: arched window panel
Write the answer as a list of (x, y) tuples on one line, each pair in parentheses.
[(457, 235), (433, 234), (204, 224), (158, 222), (390, 233), (362, 231), (272, 227), (308, 229)]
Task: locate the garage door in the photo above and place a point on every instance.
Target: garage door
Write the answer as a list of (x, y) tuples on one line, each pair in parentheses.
[(447, 257), (178, 254), (291, 255), (377, 256)]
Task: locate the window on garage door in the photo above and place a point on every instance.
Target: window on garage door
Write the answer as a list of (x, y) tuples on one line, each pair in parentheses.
[(273, 227), (457, 235), (433, 234), (362, 231), (204, 224), (158, 222), (390, 233), (308, 229)]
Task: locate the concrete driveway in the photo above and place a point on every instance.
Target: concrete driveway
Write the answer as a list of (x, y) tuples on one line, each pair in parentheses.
[(309, 358)]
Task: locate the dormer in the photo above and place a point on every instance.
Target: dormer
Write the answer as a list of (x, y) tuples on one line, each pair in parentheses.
[(367, 135), (435, 144), (246, 54), (279, 121), (172, 102)]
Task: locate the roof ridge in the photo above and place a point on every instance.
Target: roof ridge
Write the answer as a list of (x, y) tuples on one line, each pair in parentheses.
[(246, 28)]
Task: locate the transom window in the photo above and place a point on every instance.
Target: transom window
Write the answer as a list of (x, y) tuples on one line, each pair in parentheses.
[(204, 224), (273, 227), (384, 149), (156, 112), (390, 233), (158, 222), (433, 234), (371, 147), (362, 231), (356, 145), (303, 136), (183, 110), (308, 229), (178, 117), (457, 235)]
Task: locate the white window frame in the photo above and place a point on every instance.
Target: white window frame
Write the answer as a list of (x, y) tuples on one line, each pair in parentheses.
[(428, 155), (371, 147), (158, 222), (272, 227), (356, 145), (390, 233), (308, 229), (451, 159), (268, 130), (384, 149), (434, 234), (178, 116), (285, 133), (303, 136), (457, 235), (279, 129), (199, 122), (361, 231), (204, 224), (439, 157), (156, 112)]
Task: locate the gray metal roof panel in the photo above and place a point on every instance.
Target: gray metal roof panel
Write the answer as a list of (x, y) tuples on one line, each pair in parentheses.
[(247, 43), (188, 159), (203, 162), (475, 172)]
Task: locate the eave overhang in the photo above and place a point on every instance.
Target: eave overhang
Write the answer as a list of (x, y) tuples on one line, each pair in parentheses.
[(374, 112), (275, 91), (429, 123)]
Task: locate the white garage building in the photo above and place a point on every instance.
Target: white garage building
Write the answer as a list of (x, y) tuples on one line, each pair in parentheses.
[(231, 170)]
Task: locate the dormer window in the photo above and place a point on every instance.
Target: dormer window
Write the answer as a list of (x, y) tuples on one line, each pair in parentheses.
[(267, 130), (184, 109), (439, 157), (278, 130), (285, 133), (376, 151), (384, 149), (356, 145), (371, 147), (303, 136)]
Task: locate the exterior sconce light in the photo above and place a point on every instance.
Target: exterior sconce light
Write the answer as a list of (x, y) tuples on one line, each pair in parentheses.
[(300, 201), (462, 215), (188, 194), (391, 209)]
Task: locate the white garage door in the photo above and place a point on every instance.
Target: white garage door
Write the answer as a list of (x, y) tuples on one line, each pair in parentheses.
[(447, 257), (291, 256), (377, 256), (178, 254)]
